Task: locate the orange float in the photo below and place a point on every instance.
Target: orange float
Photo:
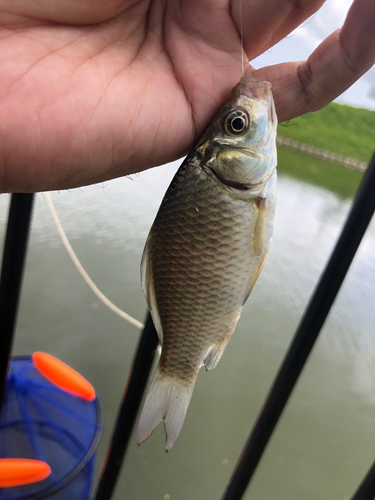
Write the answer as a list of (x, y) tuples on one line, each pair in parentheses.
[(20, 471), (63, 376)]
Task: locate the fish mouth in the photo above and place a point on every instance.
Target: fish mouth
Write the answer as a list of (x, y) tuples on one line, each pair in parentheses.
[(235, 185)]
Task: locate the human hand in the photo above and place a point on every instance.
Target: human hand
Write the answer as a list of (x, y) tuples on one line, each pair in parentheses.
[(93, 90)]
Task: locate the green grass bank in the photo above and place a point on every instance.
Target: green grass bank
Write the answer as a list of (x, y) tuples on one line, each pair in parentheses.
[(337, 128), (341, 180)]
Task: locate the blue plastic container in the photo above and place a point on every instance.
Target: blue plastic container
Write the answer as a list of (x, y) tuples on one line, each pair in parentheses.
[(42, 422)]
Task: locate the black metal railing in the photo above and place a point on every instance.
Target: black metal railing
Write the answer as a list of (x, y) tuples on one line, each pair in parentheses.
[(312, 321), (14, 257)]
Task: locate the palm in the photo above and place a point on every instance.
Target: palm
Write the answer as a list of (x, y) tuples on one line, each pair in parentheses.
[(108, 91)]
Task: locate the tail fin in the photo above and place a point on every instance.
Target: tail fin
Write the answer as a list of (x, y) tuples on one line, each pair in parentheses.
[(166, 400)]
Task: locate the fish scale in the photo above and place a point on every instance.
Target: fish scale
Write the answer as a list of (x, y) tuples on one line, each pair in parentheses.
[(206, 248)]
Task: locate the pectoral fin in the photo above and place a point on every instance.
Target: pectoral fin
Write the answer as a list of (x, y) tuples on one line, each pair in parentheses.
[(261, 225), (256, 275)]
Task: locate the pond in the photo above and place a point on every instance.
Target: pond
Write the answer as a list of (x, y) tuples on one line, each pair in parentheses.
[(323, 444)]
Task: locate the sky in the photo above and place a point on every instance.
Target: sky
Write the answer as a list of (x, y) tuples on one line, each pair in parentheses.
[(299, 45)]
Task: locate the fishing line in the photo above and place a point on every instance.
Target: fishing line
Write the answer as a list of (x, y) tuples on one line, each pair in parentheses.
[(82, 271), (241, 41)]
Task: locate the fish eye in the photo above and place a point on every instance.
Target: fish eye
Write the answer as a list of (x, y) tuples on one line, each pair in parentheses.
[(236, 122)]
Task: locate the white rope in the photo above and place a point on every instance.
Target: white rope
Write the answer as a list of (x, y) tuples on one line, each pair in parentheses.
[(81, 270)]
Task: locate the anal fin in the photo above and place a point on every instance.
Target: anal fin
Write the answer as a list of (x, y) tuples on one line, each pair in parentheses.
[(215, 352)]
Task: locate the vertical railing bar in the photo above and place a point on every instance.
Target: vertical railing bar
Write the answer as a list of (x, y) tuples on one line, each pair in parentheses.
[(366, 490), (14, 256), (312, 321), (135, 386)]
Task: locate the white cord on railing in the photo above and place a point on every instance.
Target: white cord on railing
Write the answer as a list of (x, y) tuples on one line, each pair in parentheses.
[(81, 270)]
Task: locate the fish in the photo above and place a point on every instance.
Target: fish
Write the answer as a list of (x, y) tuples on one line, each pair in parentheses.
[(207, 247)]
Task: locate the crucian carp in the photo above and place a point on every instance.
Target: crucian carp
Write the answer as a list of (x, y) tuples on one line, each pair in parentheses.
[(207, 247)]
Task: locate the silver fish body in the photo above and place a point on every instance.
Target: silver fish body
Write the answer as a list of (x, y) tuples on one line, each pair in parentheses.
[(207, 247)]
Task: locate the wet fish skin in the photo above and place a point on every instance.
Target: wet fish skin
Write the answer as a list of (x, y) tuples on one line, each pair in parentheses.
[(207, 247)]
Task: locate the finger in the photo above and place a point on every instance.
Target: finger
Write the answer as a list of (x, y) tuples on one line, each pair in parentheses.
[(265, 22), (332, 68)]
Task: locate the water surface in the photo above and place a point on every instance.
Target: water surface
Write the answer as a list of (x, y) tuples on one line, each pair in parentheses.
[(324, 442)]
